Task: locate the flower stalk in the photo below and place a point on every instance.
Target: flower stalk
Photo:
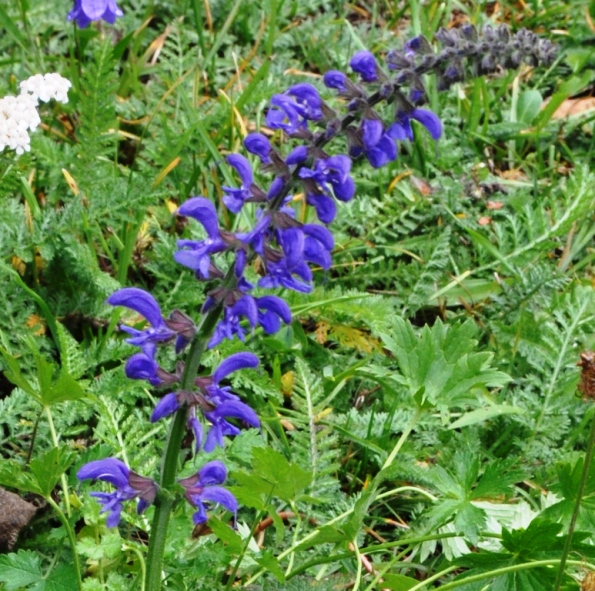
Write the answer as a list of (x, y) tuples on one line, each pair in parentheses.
[(286, 247)]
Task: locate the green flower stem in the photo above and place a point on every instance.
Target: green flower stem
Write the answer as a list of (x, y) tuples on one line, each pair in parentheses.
[(577, 505), (166, 500), (71, 540), (55, 441), (402, 439), (358, 557), (494, 573)]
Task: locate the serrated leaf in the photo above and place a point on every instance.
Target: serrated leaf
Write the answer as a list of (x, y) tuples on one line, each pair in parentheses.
[(63, 389), (11, 474), (441, 366), (286, 479), (227, 535), (109, 546), (20, 569), (48, 469), (14, 375), (61, 578)]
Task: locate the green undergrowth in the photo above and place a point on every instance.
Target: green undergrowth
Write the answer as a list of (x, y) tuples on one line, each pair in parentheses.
[(421, 425)]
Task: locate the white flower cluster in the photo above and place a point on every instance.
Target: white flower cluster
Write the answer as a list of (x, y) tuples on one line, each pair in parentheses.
[(18, 114)]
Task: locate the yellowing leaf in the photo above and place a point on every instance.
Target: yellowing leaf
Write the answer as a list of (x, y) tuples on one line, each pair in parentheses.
[(172, 206), (19, 265), (36, 322), (71, 182), (354, 338), (321, 332), (166, 171), (287, 380)]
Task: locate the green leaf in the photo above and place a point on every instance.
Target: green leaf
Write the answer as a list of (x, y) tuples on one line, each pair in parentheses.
[(63, 389), (528, 106), (61, 578), (13, 374), (267, 560), (11, 474), (109, 546), (327, 534), (398, 582), (441, 366), (227, 535), (540, 535), (272, 476), (483, 414), (20, 569), (497, 479), (48, 468)]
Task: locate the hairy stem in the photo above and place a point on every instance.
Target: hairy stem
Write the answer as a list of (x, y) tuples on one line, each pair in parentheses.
[(166, 499)]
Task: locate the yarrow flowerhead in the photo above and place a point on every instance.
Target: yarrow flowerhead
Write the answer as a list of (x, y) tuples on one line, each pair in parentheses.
[(18, 115), (202, 488), (129, 485), (86, 11)]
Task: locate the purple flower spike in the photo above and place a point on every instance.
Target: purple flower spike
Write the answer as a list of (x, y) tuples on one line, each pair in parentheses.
[(196, 255), (203, 488), (259, 145), (280, 275), (196, 427), (284, 115), (129, 485), (216, 402), (234, 198), (318, 245), (325, 207), (364, 63), (86, 11), (297, 155), (230, 325)]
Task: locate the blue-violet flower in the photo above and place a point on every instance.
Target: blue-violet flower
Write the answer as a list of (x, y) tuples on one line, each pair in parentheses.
[(203, 488), (85, 11), (129, 485)]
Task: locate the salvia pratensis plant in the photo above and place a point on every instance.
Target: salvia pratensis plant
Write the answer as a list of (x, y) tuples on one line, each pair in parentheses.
[(285, 247), (374, 112)]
